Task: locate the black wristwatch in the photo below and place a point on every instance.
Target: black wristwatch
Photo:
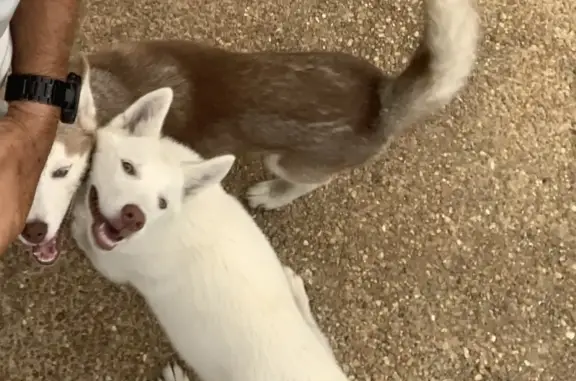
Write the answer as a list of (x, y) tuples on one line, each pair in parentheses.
[(50, 91)]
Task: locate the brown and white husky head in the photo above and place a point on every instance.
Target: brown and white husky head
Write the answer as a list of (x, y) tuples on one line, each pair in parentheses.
[(61, 177)]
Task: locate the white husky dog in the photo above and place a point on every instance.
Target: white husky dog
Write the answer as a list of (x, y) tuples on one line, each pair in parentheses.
[(154, 215)]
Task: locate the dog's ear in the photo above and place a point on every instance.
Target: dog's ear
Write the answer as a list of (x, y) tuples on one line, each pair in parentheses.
[(145, 117), (86, 107), (205, 173)]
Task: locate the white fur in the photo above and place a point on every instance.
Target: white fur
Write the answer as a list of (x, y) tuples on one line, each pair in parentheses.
[(453, 33), (86, 105), (209, 274)]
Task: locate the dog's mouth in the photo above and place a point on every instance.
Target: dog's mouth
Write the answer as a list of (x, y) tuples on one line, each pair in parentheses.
[(45, 253), (106, 235)]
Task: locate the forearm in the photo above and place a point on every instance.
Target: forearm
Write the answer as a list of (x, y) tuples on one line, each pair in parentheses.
[(42, 34), (42, 37), (12, 172)]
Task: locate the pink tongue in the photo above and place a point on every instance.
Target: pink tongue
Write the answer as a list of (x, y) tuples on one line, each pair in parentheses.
[(46, 253)]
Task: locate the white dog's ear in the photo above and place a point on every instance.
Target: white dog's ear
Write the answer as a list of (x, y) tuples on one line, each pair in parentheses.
[(86, 107), (208, 172), (145, 117)]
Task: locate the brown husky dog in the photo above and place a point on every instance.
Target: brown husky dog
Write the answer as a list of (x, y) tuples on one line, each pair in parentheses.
[(313, 114)]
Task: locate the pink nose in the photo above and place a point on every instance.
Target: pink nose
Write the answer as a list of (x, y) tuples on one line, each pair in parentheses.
[(132, 217)]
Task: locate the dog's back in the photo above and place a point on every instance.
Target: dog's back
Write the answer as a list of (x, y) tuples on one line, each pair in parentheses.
[(226, 305)]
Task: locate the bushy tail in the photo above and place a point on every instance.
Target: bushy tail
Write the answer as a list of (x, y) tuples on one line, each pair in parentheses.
[(438, 69)]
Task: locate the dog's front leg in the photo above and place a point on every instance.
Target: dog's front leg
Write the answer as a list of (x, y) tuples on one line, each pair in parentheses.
[(300, 295)]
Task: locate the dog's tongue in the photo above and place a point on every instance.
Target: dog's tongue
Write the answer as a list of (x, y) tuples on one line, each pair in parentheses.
[(46, 253)]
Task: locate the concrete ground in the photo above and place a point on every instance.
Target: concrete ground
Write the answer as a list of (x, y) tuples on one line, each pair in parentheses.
[(452, 258)]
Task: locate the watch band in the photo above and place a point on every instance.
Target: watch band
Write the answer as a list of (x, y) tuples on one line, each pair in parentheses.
[(46, 90)]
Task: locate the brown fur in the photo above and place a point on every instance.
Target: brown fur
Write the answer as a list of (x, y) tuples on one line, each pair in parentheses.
[(74, 143), (228, 102)]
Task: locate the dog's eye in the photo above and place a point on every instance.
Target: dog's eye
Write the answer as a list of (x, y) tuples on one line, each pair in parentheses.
[(162, 203), (60, 172), (128, 168)]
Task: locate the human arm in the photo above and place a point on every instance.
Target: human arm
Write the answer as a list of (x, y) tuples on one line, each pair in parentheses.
[(42, 37)]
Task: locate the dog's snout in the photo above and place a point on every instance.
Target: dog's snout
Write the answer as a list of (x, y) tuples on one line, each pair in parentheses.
[(133, 217), (35, 231)]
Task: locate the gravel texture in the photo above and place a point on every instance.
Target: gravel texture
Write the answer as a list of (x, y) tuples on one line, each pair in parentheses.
[(451, 259)]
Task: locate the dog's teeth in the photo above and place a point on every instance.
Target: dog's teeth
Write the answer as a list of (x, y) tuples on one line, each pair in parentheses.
[(103, 236)]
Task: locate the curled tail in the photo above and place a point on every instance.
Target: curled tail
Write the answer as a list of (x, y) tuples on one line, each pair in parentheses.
[(439, 68)]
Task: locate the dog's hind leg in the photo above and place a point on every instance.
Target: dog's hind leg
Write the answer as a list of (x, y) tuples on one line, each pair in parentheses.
[(303, 302), (173, 372), (295, 179)]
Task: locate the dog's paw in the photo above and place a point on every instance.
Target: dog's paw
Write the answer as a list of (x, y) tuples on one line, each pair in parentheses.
[(173, 372), (298, 288), (264, 194)]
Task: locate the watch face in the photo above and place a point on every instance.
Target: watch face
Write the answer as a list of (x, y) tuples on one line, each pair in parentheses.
[(71, 98)]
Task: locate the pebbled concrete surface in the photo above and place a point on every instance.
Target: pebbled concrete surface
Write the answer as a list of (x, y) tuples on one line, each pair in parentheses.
[(452, 258)]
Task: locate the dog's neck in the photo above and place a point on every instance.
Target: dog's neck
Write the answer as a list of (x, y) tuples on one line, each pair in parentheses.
[(177, 237)]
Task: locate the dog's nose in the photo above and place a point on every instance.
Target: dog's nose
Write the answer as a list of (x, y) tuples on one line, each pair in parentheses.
[(133, 217), (35, 231)]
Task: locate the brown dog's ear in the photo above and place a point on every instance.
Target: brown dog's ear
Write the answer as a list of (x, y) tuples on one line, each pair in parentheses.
[(86, 106)]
